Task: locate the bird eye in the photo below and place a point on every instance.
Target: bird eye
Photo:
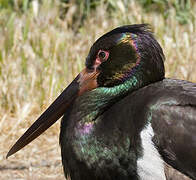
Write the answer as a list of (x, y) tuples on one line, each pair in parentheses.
[(103, 55)]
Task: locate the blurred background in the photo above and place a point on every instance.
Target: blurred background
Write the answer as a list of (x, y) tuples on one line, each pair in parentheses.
[(43, 45)]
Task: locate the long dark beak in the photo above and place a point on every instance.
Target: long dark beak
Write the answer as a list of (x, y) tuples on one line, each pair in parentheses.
[(85, 81)]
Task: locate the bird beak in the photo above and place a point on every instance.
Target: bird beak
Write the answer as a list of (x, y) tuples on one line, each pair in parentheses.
[(85, 81)]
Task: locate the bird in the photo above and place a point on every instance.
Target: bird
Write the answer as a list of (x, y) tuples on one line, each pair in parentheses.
[(122, 118)]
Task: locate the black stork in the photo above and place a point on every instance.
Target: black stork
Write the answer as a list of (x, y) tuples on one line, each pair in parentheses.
[(122, 118)]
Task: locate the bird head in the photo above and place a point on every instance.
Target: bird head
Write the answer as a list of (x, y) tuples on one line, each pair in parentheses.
[(123, 54)]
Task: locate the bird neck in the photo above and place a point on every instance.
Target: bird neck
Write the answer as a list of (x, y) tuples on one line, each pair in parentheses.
[(95, 102)]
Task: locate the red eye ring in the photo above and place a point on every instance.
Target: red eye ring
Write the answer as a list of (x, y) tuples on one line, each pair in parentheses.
[(103, 55)]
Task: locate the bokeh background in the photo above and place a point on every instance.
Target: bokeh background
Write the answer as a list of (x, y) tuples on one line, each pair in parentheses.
[(43, 45)]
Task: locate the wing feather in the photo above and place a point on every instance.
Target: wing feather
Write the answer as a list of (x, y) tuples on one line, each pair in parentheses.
[(174, 124)]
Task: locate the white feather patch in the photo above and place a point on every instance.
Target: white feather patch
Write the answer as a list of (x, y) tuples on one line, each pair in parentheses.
[(150, 165)]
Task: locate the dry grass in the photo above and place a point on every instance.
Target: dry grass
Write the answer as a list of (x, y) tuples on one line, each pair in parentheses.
[(40, 54)]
